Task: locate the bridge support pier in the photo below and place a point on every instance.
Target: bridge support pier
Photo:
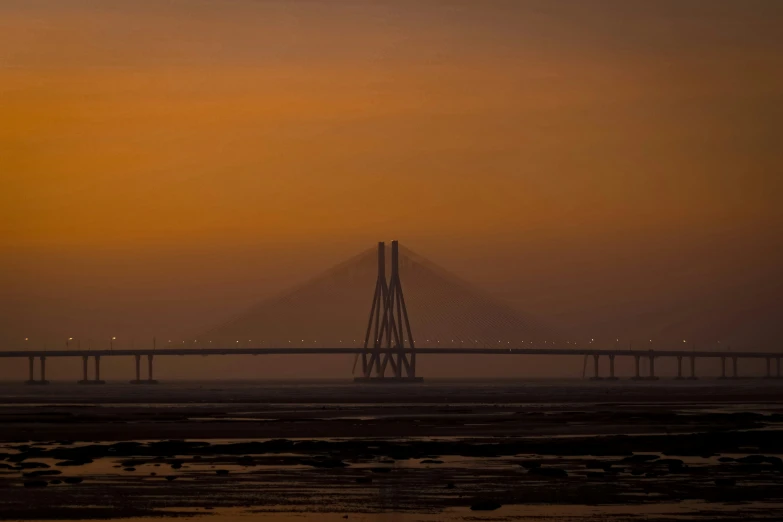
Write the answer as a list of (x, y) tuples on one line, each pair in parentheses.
[(768, 375), (722, 368), (637, 376), (149, 379), (86, 375), (679, 368), (734, 375), (652, 376), (31, 376), (611, 369), (777, 374), (693, 369), (596, 376)]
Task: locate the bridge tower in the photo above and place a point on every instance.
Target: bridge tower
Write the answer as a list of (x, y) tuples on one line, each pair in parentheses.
[(388, 342)]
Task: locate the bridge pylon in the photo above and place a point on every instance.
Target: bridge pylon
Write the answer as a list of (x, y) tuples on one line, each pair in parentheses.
[(388, 342)]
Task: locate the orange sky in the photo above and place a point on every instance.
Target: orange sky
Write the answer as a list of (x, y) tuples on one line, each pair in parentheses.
[(152, 153)]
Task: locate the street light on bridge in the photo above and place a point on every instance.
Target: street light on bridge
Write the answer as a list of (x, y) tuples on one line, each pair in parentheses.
[(111, 343)]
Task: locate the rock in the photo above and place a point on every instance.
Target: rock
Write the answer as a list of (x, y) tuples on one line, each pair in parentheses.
[(726, 459), (775, 461), (549, 472), (726, 482), (35, 483), (246, 461), (221, 472), (56, 482), (176, 465), (431, 461), (129, 469), (42, 472), (32, 465), (752, 459), (171, 477), (73, 480), (364, 480), (381, 470), (599, 464), (74, 462), (641, 458), (17, 458), (485, 505), (324, 463), (530, 464)]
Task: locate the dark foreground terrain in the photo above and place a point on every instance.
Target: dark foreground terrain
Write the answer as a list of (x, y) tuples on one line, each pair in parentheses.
[(436, 451)]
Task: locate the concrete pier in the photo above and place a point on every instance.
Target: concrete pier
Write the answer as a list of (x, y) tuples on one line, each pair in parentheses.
[(85, 371), (611, 369), (138, 379), (693, 369), (652, 376), (636, 362), (596, 375), (31, 379)]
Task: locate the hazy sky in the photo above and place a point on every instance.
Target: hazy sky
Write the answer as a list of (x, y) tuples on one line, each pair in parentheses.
[(613, 164)]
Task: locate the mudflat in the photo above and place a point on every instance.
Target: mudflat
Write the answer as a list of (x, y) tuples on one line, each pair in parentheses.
[(452, 450)]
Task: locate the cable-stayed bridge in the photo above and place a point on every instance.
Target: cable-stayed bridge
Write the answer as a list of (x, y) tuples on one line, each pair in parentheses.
[(385, 308)]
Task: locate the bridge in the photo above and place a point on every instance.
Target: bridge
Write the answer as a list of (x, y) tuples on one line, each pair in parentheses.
[(459, 315)]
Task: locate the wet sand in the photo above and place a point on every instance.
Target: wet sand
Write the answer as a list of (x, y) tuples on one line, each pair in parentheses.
[(596, 451)]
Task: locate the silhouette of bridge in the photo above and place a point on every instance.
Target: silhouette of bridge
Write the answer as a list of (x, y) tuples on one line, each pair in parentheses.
[(431, 313)]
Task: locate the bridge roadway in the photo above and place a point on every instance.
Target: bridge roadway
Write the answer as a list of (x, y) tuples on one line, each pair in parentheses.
[(419, 351), (595, 353)]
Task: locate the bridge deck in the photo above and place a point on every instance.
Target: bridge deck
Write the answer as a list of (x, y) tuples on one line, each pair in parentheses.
[(419, 351)]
